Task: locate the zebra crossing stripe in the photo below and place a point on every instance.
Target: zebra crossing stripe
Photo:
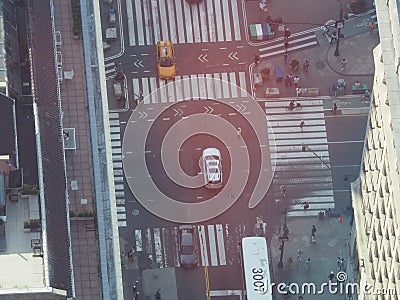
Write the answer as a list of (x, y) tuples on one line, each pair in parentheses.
[(221, 245), (158, 247), (138, 240), (180, 24), (211, 24), (203, 246), (164, 23), (147, 18), (188, 23), (195, 87), (196, 24), (227, 22), (225, 85), (171, 19), (178, 89), (163, 92), (171, 92), (186, 88), (140, 21), (210, 86), (235, 16), (164, 238), (213, 245), (202, 87), (203, 21), (232, 79), (218, 19), (149, 243), (131, 23), (176, 243), (156, 25)]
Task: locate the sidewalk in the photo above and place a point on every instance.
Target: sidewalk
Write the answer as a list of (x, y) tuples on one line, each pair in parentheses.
[(78, 163), (324, 66), (332, 237)]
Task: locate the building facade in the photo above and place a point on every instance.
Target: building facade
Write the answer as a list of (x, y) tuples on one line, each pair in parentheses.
[(376, 193)]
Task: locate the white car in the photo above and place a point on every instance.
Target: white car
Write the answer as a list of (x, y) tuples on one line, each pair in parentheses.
[(212, 168)]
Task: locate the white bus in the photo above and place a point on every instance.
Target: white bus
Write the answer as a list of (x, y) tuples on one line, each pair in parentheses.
[(256, 268)]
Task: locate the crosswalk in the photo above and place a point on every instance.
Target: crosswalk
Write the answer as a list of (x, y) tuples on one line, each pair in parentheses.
[(301, 40), (200, 86), (301, 156), (150, 21), (109, 69), (116, 151), (217, 244)]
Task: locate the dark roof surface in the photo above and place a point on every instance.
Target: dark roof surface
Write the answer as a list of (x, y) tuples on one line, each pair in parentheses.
[(7, 136), (45, 95)]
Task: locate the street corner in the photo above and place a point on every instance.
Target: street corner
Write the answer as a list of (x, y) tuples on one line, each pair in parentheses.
[(359, 62)]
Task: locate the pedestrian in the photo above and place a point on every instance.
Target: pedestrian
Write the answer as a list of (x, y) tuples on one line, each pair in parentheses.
[(333, 36), (112, 10), (341, 264), (371, 27), (290, 79), (239, 131), (134, 289), (287, 80), (283, 190), (308, 262), (334, 108), (298, 91), (286, 45), (305, 205), (306, 65), (302, 124), (256, 59), (130, 254), (300, 298), (313, 230), (285, 57), (300, 255), (331, 276), (137, 296), (343, 64), (325, 31), (287, 34), (338, 263), (296, 80)]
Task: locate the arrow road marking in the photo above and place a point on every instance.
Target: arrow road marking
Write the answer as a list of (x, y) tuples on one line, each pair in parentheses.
[(202, 57), (240, 107), (142, 115), (178, 112), (138, 63), (208, 109), (233, 56)]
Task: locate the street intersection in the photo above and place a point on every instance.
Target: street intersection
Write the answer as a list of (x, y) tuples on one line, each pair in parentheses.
[(215, 65)]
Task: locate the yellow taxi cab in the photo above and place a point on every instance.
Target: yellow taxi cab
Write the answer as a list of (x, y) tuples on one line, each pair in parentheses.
[(165, 60)]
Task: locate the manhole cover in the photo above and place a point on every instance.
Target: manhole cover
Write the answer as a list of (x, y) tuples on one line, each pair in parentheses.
[(135, 212), (320, 65)]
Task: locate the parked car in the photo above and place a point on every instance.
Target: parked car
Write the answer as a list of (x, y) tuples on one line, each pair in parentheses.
[(212, 168), (165, 60), (187, 240)]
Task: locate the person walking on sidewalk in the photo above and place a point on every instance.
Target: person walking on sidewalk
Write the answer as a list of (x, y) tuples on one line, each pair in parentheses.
[(333, 37), (296, 80), (256, 59), (287, 80), (300, 255), (290, 79), (308, 263), (331, 276), (285, 57), (343, 64), (313, 230), (306, 66)]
